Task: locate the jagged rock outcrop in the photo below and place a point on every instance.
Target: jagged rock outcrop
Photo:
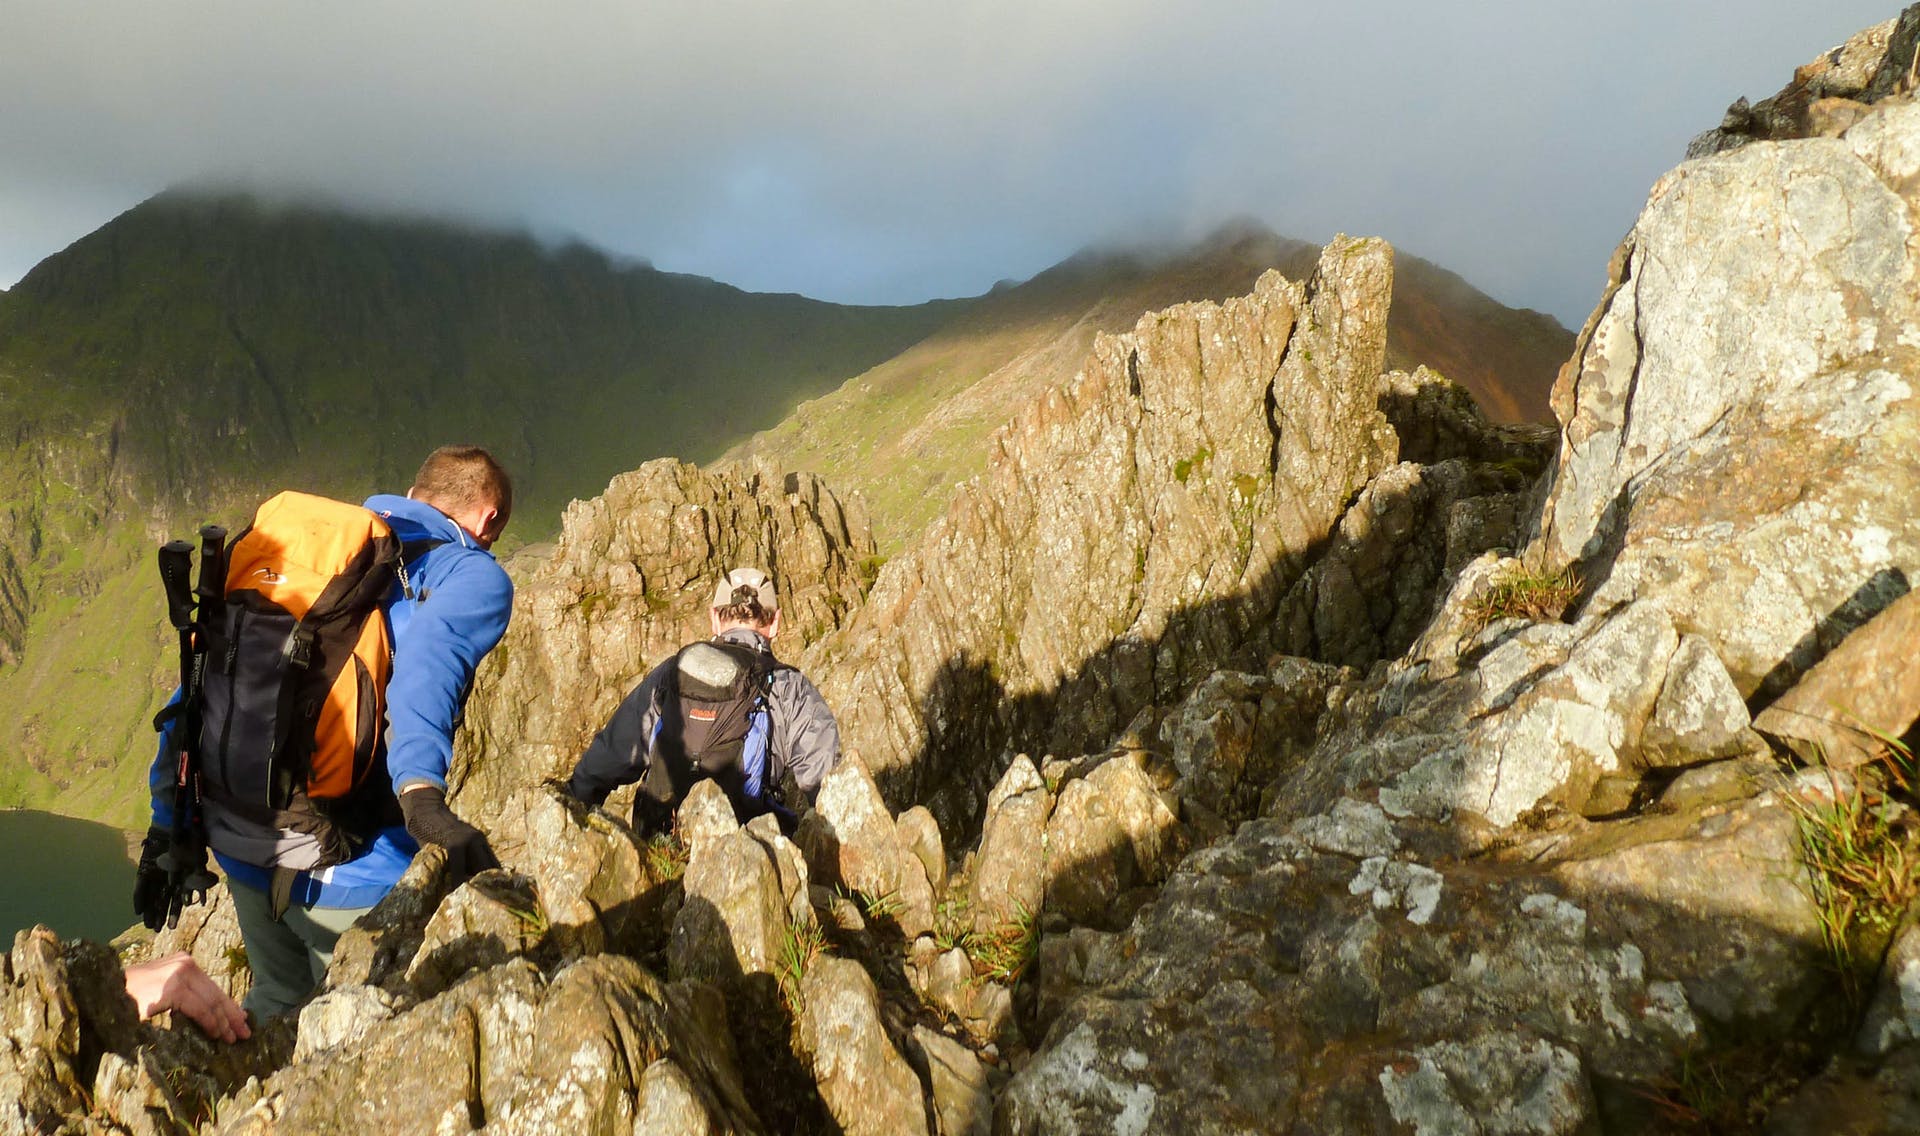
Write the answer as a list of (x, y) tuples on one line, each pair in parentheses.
[(857, 846), (627, 584), (1739, 422), (74, 1057), (1827, 96), (1143, 524), (865, 1080)]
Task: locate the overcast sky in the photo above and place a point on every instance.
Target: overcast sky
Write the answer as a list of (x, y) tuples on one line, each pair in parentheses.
[(887, 151)]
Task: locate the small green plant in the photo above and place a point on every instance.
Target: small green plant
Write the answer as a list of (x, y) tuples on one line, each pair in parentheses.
[(532, 918), (1897, 762), (1525, 593), (1859, 850), (1004, 953), (952, 923), (1723, 1090), (801, 943), (666, 857), (236, 959), (886, 905)]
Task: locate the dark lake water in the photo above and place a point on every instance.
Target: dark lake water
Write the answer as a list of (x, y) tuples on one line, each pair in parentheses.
[(72, 875)]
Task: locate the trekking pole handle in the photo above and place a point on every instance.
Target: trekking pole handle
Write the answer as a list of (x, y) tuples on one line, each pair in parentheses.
[(213, 567), (176, 564)]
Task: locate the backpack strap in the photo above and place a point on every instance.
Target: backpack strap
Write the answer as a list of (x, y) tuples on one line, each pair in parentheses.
[(410, 551)]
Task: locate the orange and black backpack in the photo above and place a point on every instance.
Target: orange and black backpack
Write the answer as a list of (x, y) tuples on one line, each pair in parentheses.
[(292, 695)]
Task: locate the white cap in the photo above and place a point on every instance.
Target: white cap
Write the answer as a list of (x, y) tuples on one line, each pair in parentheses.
[(754, 580)]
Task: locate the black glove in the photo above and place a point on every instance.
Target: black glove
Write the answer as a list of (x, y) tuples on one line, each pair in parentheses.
[(430, 821), (150, 879)]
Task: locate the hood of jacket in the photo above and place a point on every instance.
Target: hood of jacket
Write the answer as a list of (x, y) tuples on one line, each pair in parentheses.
[(416, 521)]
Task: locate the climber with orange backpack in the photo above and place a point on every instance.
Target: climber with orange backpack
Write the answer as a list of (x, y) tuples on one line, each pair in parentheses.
[(309, 743)]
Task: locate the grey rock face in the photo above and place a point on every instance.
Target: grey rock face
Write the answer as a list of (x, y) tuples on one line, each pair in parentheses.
[(1699, 713), (962, 1095), (39, 1077), (597, 887), (1828, 95), (1865, 691), (74, 1057), (1736, 871), (867, 1084), (1263, 949), (734, 915), (921, 835), (380, 947), (1893, 1017), (704, 817), (493, 917), (1740, 422), (340, 1017), (513, 1051), (1109, 832), (1372, 592), (1009, 879), (1236, 733), (1131, 529), (852, 840)]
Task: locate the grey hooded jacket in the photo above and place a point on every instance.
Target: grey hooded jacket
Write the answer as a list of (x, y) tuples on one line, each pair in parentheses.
[(802, 735)]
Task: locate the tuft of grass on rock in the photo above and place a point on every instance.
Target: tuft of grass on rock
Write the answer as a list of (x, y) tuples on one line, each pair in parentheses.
[(1004, 953), (1724, 1090), (801, 943), (1862, 854), (666, 857), (886, 905), (1525, 593)]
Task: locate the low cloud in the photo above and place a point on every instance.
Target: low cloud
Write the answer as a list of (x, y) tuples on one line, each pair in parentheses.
[(879, 152)]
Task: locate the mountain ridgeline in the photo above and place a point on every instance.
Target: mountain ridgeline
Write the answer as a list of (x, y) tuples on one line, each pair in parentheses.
[(228, 341), (904, 433)]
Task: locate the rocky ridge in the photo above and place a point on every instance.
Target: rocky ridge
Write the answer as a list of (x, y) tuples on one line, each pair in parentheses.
[(1368, 784)]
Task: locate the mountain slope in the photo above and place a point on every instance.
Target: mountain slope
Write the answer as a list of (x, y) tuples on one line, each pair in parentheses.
[(197, 353), (905, 432), (289, 343)]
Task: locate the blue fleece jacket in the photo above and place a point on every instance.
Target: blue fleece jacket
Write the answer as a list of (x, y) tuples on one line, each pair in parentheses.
[(459, 609)]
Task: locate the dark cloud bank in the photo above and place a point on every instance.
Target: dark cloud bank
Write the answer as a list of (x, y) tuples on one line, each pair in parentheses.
[(882, 152)]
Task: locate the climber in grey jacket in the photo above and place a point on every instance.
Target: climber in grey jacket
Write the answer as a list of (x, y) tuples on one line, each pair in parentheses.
[(724, 710)]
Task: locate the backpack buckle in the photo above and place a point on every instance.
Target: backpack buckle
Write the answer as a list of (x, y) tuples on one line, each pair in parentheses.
[(299, 648)]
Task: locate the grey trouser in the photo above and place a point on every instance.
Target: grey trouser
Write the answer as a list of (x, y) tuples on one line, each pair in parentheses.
[(288, 956)]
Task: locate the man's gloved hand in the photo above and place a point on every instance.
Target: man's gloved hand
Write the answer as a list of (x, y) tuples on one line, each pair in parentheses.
[(150, 879), (430, 821)]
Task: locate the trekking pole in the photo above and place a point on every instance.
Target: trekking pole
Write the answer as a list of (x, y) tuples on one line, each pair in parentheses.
[(187, 875)]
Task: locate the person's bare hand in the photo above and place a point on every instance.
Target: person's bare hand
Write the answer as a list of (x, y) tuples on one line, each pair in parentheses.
[(177, 983)]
